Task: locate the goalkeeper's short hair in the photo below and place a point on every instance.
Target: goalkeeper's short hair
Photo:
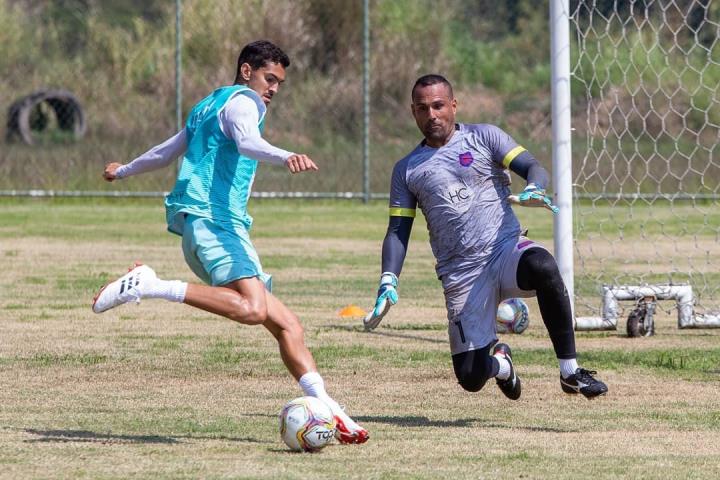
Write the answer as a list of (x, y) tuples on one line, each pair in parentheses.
[(431, 79)]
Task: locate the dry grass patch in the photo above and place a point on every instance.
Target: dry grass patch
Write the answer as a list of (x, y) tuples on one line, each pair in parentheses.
[(161, 390)]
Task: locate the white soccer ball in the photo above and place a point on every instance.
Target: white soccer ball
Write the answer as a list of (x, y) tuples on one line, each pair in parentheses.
[(306, 423), (513, 316)]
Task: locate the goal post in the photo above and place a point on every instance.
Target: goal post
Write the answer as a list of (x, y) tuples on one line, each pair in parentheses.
[(561, 139), (636, 162)]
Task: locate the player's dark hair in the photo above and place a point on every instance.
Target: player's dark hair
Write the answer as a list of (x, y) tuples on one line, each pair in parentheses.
[(432, 79), (258, 54)]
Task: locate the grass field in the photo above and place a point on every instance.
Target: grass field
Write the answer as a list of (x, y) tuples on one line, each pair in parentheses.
[(160, 390)]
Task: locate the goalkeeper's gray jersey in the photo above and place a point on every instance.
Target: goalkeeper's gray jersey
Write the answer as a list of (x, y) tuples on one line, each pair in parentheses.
[(461, 189)]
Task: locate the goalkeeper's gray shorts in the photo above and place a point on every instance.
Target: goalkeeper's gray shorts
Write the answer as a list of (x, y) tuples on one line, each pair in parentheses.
[(472, 297)]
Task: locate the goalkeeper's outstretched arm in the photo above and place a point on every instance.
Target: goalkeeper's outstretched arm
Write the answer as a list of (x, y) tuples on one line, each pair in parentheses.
[(393, 256), (537, 179), (528, 167), (395, 244), (402, 213)]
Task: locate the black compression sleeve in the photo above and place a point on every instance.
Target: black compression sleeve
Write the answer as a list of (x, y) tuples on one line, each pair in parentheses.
[(395, 244), (530, 169), (537, 270)]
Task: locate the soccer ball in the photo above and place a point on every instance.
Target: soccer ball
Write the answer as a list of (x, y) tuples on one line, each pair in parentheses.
[(306, 423), (512, 316)]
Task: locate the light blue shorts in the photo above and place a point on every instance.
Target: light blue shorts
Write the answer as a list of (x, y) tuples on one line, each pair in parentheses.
[(220, 254)]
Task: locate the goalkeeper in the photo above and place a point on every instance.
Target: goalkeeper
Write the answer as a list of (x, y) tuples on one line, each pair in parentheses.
[(458, 177)]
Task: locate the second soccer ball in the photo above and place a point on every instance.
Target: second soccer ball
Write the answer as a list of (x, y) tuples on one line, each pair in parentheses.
[(513, 316)]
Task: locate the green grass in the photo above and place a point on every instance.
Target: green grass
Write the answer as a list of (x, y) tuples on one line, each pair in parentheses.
[(161, 390), (659, 220), (224, 353), (695, 363)]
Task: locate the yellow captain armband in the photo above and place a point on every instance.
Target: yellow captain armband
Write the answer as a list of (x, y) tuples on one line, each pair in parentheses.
[(510, 156), (402, 212)]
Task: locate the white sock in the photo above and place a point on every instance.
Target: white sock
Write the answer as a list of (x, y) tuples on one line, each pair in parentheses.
[(313, 385), (568, 367), (504, 372), (173, 290)]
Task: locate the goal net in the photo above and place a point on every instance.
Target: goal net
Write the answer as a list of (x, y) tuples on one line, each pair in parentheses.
[(646, 168)]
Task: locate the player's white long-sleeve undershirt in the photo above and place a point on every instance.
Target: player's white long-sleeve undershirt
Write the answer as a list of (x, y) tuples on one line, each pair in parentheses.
[(238, 121)]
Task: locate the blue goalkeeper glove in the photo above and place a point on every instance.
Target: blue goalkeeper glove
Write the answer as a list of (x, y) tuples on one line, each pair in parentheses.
[(533, 196), (387, 297)]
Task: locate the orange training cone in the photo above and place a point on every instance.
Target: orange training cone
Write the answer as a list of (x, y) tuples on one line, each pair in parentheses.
[(351, 311)]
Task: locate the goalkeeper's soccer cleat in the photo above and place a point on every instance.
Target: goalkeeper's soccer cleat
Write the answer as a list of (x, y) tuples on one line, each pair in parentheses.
[(511, 386), (386, 298), (347, 431), (582, 381), (128, 288)]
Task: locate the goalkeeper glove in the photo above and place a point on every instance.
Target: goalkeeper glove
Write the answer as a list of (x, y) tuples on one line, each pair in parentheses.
[(386, 297), (533, 196)]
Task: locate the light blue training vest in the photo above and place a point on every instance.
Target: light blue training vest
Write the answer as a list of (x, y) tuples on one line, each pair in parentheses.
[(214, 180)]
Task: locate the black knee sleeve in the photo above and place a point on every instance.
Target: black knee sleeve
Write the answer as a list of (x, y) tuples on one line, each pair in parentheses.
[(475, 367), (537, 270)]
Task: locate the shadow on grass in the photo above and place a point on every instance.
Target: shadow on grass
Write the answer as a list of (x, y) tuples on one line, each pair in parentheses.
[(110, 438), (418, 421), (385, 333), (95, 437)]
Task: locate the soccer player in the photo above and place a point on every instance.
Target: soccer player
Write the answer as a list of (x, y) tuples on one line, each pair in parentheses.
[(222, 146), (457, 175)]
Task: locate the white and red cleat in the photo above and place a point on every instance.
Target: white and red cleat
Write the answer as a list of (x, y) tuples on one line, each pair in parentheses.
[(125, 289), (353, 433)]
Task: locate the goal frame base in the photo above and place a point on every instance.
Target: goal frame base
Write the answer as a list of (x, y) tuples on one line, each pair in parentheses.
[(682, 294)]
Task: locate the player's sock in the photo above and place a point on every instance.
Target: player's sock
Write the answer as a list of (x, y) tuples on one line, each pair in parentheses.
[(504, 372), (172, 290), (312, 384), (568, 366), (510, 386)]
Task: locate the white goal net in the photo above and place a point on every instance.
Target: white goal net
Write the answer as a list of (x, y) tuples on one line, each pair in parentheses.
[(646, 160)]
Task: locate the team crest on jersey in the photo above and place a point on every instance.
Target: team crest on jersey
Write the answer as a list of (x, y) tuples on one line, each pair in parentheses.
[(466, 159)]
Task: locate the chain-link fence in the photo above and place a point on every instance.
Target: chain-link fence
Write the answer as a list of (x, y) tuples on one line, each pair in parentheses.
[(81, 86), (115, 64), (86, 82)]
